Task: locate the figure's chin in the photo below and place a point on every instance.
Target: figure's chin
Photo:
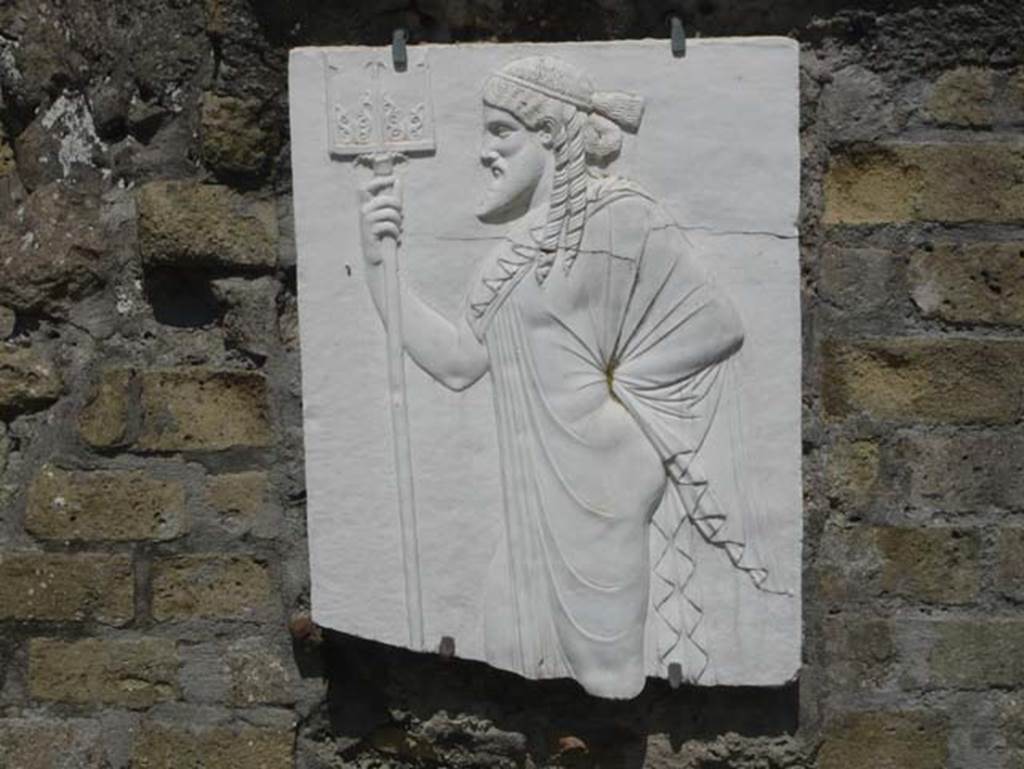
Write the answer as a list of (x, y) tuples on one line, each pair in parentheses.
[(499, 211)]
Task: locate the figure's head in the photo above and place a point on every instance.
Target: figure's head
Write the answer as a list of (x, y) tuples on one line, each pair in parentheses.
[(542, 114)]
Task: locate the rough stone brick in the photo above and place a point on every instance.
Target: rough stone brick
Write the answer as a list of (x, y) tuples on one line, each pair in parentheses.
[(250, 313), (934, 565), (130, 673), (170, 746), (205, 226), (965, 472), (859, 653), (1012, 724), (52, 254), (6, 155), (104, 505), (886, 740), (926, 182), (27, 380), (921, 380), (852, 471), (55, 586), (978, 654), (864, 284), (236, 136), (211, 586), (199, 409), (963, 97), (38, 743), (242, 501), (937, 564), (104, 421), (8, 320), (972, 283), (857, 105), (259, 674), (1010, 563)]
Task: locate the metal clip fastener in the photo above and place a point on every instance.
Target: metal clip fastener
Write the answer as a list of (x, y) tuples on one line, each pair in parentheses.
[(678, 35), (398, 51)]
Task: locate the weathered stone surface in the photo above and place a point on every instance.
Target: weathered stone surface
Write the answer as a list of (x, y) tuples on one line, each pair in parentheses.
[(862, 284), (250, 317), (857, 106), (99, 505), (8, 320), (52, 253), (243, 503), (978, 654), (1013, 731), (104, 421), (50, 743), (237, 136), (886, 740), (1010, 562), (852, 471), (172, 746), (963, 97), (28, 381), (859, 653), (212, 586), (933, 565), (6, 155), (130, 673), (260, 674), (199, 409), (970, 283), (910, 380), (205, 226), (926, 182), (964, 473), (64, 587)]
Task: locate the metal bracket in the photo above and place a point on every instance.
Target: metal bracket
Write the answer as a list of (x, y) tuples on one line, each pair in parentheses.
[(398, 52), (678, 35)]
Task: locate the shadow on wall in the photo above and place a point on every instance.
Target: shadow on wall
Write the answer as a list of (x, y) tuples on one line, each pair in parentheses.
[(392, 701), (371, 22)]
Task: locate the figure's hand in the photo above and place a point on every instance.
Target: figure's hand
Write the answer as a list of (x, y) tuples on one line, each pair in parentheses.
[(380, 215)]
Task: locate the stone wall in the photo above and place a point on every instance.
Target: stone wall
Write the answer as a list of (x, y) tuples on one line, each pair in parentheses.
[(153, 575)]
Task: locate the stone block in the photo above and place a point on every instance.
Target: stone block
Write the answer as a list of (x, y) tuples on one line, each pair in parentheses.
[(7, 163), (28, 381), (53, 252), (964, 472), (931, 565), (104, 505), (50, 743), (200, 409), (170, 746), (942, 182), (970, 283), (886, 740), (8, 321), (184, 224), (134, 673), (238, 138), (860, 654), (863, 284), (250, 313), (66, 587), (921, 380), (212, 587), (934, 565), (978, 653), (104, 421), (852, 472), (963, 97), (242, 502), (1010, 562), (260, 675)]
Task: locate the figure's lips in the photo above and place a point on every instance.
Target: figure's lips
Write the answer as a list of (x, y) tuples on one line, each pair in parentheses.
[(496, 171)]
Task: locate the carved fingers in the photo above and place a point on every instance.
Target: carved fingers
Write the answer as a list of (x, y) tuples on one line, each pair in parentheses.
[(381, 212)]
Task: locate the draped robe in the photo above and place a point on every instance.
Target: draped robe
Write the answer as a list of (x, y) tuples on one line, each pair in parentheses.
[(607, 375)]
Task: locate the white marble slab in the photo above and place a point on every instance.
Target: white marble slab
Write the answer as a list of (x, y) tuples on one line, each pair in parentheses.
[(716, 155)]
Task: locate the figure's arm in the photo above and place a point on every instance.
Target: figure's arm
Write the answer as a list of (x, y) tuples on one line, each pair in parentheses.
[(449, 352)]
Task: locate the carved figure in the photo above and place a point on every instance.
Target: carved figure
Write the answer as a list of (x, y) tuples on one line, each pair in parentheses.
[(608, 349)]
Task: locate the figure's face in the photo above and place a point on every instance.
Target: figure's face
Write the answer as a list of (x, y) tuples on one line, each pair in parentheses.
[(515, 157)]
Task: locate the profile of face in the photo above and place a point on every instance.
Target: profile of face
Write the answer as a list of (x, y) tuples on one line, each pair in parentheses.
[(516, 158)]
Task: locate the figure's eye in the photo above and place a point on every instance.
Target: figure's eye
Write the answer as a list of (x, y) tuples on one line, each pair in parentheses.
[(500, 131)]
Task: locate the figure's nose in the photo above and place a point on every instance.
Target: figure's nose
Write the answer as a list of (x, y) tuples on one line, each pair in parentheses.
[(487, 156)]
